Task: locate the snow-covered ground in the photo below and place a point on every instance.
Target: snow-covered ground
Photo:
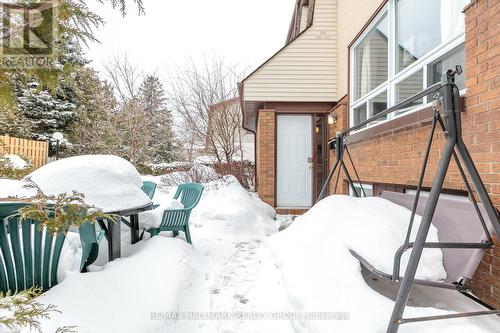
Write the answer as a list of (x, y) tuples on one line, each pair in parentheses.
[(242, 275)]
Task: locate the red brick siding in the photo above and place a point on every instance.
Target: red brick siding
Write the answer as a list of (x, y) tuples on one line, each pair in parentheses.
[(266, 182), (340, 114), (482, 62)]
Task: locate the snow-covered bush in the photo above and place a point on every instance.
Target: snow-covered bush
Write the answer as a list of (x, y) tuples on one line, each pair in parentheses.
[(159, 169), (196, 173), (22, 310), (14, 166), (244, 171)]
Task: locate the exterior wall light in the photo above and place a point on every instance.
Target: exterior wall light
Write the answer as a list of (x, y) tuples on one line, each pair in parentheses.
[(332, 119)]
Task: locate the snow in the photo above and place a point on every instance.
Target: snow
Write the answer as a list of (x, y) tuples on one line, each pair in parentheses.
[(372, 223), (124, 295), (108, 182), (152, 218), (16, 161), (71, 255), (11, 188), (240, 263), (321, 274)]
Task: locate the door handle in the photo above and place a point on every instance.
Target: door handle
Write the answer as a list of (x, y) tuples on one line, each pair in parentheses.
[(310, 162)]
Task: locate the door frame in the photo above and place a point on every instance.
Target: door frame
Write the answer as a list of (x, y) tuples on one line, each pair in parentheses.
[(325, 152), (313, 177)]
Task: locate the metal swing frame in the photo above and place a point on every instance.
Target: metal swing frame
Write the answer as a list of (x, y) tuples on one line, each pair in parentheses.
[(447, 95)]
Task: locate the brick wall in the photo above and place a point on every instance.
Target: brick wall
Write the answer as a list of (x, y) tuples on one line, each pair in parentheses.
[(394, 156), (265, 158), (482, 61), (340, 113)]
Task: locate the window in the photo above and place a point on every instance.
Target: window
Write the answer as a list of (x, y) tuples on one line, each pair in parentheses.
[(409, 87), (437, 69), (409, 46), (368, 190), (372, 59)]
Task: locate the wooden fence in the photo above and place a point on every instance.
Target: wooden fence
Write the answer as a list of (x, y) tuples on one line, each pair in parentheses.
[(35, 151)]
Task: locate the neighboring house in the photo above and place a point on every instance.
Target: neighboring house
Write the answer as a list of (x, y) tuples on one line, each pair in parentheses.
[(357, 58), (225, 120)]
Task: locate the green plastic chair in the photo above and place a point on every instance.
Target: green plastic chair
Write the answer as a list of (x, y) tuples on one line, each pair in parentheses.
[(31, 256), (149, 188), (178, 219)]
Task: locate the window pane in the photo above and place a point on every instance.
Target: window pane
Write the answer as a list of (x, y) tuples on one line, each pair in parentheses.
[(368, 190), (371, 59), (378, 104), (360, 114), (424, 24), (437, 70), (409, 87)]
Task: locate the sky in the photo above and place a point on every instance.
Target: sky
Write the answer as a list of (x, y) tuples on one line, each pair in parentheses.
[(243, 32)]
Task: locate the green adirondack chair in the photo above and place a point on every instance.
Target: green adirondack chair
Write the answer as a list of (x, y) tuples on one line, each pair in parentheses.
[(178, 219), (31, 256)]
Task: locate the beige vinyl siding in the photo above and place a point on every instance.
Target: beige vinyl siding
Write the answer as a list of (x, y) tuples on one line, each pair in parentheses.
[(306, 69)]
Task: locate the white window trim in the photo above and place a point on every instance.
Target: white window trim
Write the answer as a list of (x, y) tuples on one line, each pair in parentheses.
[(394, 78)]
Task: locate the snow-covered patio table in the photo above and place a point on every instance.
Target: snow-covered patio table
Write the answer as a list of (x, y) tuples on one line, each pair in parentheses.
[(108, 182), (112, 229)]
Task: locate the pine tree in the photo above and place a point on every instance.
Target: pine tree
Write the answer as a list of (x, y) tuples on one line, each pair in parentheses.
[(51, 110), (45, 111), (154, 102), (76, 21), (93, 130)]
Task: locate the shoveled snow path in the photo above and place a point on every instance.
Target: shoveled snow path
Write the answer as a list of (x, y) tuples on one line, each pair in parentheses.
[(237, 287)]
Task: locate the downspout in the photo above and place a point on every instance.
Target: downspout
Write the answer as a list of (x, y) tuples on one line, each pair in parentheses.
[(242, 106)]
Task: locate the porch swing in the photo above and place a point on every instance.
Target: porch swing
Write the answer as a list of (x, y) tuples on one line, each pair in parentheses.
[(464, 232)]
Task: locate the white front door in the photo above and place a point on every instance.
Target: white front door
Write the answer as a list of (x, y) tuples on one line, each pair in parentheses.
[(294, 161)]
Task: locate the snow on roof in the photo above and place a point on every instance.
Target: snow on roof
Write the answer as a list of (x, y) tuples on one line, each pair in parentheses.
[(109, 182)]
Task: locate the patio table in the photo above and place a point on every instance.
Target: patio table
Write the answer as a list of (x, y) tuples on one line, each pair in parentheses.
[(112, 229)]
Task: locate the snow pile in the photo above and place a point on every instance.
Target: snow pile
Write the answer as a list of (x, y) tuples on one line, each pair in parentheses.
[(11, 188), (15, 161), (133, 293), (108, 182), (319, 273), (71, 255), (226, 200), (222, 200)]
